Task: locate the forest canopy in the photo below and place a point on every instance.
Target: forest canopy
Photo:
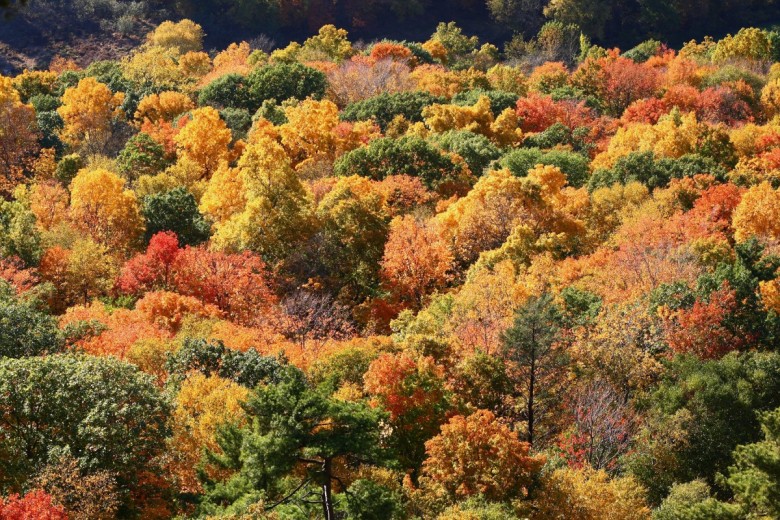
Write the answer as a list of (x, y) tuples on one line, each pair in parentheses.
[(392, 279)]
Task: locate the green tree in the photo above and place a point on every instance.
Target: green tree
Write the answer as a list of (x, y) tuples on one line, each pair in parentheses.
[(755, 475), (693, 501), (531, 344), (25, 330), (405, 156), (176, 211), (295, 431), (103, 411), (701, 411), (285, 81), (230, 90), (476, 149), (19, 234), (141, 155), (576, 166), (212, 358), (386, 107)]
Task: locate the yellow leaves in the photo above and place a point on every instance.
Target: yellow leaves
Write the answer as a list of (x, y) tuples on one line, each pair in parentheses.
[(749, 43), (204, 139), (588, 494), (770, 295), (308, 133), (261, 205), (102, 207), (758, 214), (8, 94), (202, 405), (179, 37), (440, 81), (224, 195), (618, 347), (673, 136), (153, 66), (165, 106), (477, 118), (770, 97), (484, 306), (509, 79), (88, 111), (484, 218), (329, 43)]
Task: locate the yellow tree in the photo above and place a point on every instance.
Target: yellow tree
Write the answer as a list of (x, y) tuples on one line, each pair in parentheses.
[(18, 136), (483, 219), (88, 112), (588, 494), (165, 106), (85, 271), (204, 140), (314, 133), (770, 97), (102, 207), (202, 405), (178, 37), (276, 215), (758, 213)]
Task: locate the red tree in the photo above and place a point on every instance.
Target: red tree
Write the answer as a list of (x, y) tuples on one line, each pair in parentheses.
[(35, 505)]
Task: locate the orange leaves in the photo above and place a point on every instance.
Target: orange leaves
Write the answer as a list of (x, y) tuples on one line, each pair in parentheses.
[(402, 384), (758, 214), (18, 136), (237, 284), (702, 330), (538, 112), (479, 455), (416, 261), (167, 310)]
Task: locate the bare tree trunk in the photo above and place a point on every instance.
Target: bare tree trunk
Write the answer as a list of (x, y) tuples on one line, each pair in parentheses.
[(327, 498)]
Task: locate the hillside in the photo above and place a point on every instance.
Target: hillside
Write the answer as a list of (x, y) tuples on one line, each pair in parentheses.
[(34, 31), (352, 277)]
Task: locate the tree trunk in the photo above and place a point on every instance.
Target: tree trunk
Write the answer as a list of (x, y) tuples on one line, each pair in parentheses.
[(327, 498)]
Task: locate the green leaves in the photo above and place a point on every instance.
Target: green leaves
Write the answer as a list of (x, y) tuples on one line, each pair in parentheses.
[(104, 411)]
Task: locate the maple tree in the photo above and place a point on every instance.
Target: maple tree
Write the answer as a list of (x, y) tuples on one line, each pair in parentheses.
[(416, 261), (489, 458), (35, 505)]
